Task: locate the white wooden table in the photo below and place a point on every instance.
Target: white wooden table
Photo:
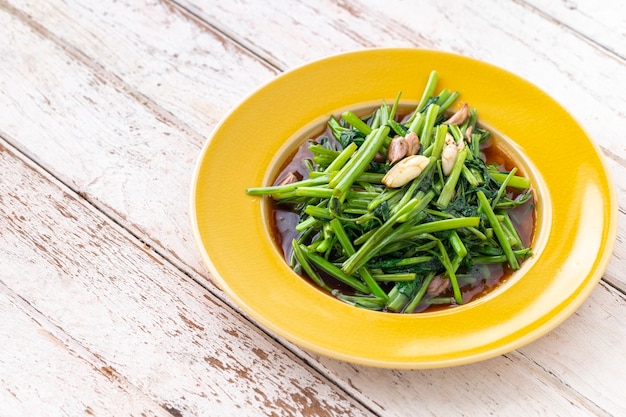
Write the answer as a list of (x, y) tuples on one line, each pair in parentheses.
[(105, 306)]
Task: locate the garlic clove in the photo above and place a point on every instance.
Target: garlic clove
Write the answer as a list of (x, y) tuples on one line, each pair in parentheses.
[(406, 170), (459, 117), (397, 149), (468, 134), (413, 143), (448, 157), (290, 178), (437, 286)]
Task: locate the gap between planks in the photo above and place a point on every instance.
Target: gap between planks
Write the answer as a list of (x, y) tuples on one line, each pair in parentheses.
[(77, 350), (546, 15), (199, 18)]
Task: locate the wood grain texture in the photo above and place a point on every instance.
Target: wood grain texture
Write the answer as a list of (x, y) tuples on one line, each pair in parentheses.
[(115, 100), (118, 309), (56, 376), (601, 23), (125, 129)]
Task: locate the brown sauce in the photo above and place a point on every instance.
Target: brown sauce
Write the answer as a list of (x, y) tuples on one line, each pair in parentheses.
[(486, 277)]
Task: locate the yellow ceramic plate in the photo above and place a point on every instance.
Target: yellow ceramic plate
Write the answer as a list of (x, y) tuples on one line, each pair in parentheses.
[(576, 210)]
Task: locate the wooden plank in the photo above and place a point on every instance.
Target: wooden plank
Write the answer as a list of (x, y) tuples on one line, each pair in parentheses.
[(43, 372), (122, 311), (586, 351), (182, 69), (148, 103), (603, 23)]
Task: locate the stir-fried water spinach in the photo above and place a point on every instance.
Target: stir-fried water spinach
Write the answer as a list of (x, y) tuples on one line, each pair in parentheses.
[(403, 212)]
